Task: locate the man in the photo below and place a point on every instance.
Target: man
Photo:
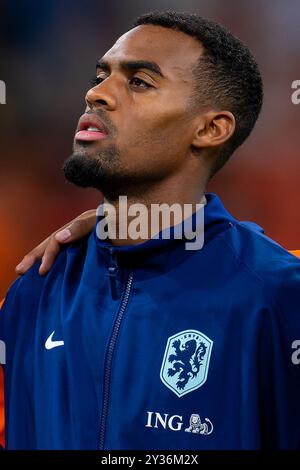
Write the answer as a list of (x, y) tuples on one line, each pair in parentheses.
[(127, 338)]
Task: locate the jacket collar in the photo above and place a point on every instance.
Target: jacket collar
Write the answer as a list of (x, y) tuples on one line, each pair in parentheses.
[(216, 220)]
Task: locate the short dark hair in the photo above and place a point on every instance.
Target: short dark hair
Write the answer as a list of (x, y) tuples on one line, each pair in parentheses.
[(227, 75)]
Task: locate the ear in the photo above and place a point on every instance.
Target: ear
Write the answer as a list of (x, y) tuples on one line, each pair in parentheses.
[(213, 129)]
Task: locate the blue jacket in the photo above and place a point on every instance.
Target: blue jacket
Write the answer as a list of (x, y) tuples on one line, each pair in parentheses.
[(155, 347)]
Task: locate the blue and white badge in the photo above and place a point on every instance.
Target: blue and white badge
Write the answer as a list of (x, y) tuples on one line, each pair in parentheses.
[(186, 361)]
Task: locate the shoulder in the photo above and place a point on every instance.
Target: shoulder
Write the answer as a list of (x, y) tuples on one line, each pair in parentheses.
[(24, 294), (274, 269)]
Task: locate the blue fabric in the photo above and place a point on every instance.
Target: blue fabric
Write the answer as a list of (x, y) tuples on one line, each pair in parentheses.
[(106, 386)]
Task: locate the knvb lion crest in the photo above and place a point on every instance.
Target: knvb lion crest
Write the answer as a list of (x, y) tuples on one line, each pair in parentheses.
[(186, 361)]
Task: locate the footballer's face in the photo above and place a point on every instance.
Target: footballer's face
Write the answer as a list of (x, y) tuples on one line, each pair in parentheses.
[(136, 128)]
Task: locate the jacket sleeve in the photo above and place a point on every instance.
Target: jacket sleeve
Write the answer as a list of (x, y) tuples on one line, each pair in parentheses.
[(280, 362), (9, 324)]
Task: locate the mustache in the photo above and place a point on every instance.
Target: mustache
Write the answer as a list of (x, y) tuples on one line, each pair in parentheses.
[(107, 122)]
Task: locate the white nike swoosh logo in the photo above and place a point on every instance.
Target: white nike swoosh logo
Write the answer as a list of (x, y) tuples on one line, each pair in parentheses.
[(53, 344)]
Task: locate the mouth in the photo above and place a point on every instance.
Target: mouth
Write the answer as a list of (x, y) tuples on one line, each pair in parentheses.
[(90, 128)]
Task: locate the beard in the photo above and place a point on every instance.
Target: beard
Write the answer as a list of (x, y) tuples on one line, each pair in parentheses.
[(107, 172), (89, 171), (103, 171)]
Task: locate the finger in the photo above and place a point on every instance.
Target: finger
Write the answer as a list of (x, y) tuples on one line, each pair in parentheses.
[(31, 257), (25, 264), (64, 235), (80, 227), (49, 257)]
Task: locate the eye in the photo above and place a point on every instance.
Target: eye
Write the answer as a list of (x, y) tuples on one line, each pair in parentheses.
[(138, 82), (96, 80), (135, 81)]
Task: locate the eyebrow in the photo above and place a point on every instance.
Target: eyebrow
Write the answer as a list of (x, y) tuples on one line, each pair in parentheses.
[(133, 65)]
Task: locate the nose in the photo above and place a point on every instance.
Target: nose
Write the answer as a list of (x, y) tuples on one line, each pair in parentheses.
[(102, 95)]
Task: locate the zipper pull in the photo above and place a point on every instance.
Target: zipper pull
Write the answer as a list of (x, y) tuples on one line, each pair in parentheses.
[(112, 273)]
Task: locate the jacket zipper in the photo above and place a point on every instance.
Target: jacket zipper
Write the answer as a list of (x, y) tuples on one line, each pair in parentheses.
[(111, 348), (112, 273)]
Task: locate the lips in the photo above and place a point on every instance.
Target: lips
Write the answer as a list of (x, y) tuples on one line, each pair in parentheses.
[(90, 128)]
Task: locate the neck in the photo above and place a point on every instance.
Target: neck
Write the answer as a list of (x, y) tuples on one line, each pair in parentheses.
[(138, 216)]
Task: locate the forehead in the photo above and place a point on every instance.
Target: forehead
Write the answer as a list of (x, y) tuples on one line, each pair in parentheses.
[(172, 50)]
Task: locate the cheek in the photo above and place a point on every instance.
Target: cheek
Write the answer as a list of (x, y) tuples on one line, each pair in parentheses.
[(154, 146), (161, 128)]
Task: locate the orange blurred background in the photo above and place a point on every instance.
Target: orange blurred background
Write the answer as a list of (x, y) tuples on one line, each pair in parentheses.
[(48, 52)]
